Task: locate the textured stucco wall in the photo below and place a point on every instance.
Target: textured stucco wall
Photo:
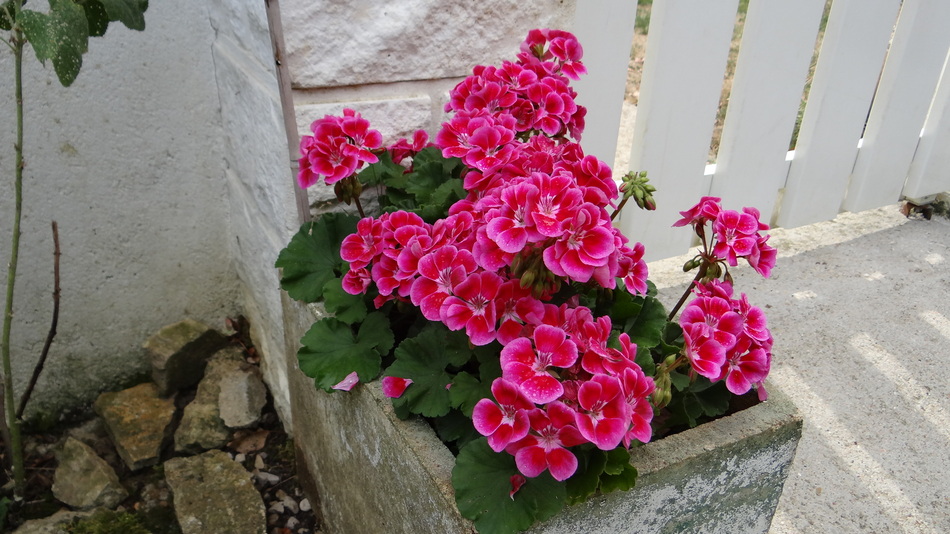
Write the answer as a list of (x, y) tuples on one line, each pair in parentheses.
[(129, 162)]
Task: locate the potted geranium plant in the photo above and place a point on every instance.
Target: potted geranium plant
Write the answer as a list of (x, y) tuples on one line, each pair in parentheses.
[(496, 299)]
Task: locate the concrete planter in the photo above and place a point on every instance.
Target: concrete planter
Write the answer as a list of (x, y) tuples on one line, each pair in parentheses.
[(367, 471)]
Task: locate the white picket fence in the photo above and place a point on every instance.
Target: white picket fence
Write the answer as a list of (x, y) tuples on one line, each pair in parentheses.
[(876, 127)]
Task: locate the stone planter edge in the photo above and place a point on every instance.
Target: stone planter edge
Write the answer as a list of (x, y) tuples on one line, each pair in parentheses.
[(365, 470)]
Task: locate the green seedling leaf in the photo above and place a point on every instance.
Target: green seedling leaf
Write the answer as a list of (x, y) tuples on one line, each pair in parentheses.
[(482, 481), (331, 350), (312, 258), (344, 306), (128, 12), (424, 359), (96, 17), (6, 23), (61, 36)]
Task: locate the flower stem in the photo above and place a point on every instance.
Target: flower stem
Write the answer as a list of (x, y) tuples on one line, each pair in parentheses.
[(359, 206), (16, 445), (689, 289)]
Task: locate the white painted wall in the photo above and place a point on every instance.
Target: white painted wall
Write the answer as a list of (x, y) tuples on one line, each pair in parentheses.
[(129, 162)]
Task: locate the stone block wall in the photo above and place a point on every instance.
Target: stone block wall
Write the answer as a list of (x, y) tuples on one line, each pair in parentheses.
[(396, 61)]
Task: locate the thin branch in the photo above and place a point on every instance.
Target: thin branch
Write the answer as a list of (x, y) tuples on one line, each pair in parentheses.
[(52, 329)]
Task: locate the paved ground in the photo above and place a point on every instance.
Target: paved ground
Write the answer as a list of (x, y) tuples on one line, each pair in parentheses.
[(860, 309)]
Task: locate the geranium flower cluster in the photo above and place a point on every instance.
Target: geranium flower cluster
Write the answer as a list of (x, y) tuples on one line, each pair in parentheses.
[(496, 104), (737, 235), (338, 147), (727, 339), (535, 217)]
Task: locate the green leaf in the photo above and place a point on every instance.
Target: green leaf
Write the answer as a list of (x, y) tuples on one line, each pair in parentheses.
[(61, 36), (616, 460), (645, 360), (647, 328), (679, 380), (6, 23), (96, 17), (455, 428), (128, 12), (466, 391), (623, 481), (312, 258), (381, 172), (331, 350), (344, 306), (482, 481), (584, 482), (424, 359)]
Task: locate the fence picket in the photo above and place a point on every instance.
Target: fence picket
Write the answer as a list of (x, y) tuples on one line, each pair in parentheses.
[(606, 33), (930, 172), (687, 48), (900, 107), (774, 55), (852, 54)]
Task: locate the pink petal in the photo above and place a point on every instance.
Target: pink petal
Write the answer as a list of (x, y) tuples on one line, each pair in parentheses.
[(562, 463), (394, 387), (347, 383)]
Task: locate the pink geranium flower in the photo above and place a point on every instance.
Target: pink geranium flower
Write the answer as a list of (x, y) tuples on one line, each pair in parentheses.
[(735, 235), (603, 415), (637, 387), (528, 364), (472, 307), (439, 272), (545, 448), (505, 422), (745, 366), (585, 245)]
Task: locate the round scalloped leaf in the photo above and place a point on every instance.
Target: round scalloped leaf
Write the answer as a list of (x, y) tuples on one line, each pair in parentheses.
[(312, 258), (331, 350), (482, 481)]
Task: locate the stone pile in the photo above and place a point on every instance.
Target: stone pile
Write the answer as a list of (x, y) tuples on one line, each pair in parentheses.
[(212, 490)]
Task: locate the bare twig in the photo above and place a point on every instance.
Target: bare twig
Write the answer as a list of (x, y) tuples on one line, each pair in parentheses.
[(52, 329)]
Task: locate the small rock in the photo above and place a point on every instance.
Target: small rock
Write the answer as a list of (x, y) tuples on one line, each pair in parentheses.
[(136, 420), (201, 427), (84, 480), (266, 479), (52, 524), (292, 523), (179, 353), (240, 457), (305, 505), (259, 462), (243, 395), (288, 501), (277, 508), (213, 494)]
